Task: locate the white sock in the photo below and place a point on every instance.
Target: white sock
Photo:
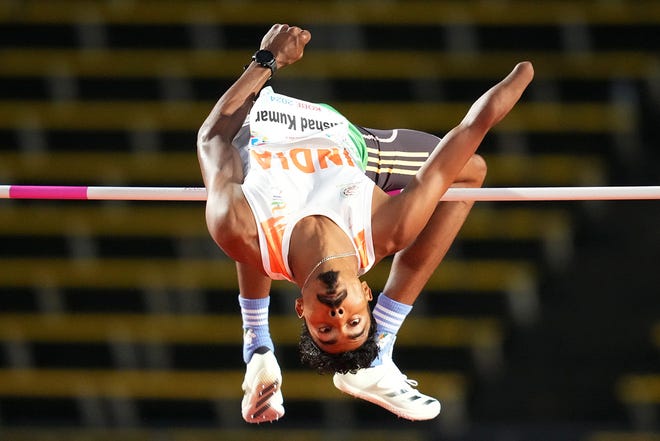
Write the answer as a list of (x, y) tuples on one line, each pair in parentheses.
[(389, 315), (256, 333)]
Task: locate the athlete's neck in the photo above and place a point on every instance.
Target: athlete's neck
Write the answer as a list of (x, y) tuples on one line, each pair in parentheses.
[(313, 239), (324, 260)]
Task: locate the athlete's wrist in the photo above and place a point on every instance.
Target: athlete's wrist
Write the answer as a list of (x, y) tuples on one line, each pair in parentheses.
[(266, 59)]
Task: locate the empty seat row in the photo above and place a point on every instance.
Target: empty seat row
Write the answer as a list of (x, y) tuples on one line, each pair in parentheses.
[(176, 168), (326, 65), (222, 329), (274, 433), (181, 221), (301, 385), (368, 12), (487, 275), (429, 116)]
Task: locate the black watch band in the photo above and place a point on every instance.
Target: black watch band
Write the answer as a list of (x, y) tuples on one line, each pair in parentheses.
[(265, 58)]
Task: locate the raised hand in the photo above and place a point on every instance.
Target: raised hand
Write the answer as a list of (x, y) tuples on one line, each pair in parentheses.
[(286, 42)]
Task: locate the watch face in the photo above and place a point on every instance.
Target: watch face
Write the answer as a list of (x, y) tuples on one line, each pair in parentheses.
[(264, 57)]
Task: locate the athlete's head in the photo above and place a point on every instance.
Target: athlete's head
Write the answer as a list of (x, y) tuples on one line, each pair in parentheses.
[(338, 328)]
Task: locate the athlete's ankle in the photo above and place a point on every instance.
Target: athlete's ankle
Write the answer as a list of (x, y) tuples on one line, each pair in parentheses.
[(256, 333), (389, 315)]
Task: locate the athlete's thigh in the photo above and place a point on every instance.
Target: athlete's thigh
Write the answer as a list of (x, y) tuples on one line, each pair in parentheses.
[(395, 156)]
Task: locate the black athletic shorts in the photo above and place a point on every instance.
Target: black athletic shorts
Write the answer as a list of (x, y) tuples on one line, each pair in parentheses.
[(394, 156)]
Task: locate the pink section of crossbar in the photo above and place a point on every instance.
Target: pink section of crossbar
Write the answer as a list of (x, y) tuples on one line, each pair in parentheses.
[(47, 192)]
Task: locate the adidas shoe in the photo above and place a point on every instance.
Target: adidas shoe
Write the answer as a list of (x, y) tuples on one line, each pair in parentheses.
[(262, 400), (387, 387)]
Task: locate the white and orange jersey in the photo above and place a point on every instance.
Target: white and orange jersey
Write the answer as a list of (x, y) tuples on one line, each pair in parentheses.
[(303, 163)]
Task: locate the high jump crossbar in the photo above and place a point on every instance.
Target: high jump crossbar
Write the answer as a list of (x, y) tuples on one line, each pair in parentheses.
[(453, 194)]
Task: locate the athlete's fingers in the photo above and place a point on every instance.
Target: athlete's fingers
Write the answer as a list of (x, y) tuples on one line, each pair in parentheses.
[(304, 34)]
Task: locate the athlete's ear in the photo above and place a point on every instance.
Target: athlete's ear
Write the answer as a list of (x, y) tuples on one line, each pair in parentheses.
[(299, 307), (367, 291)]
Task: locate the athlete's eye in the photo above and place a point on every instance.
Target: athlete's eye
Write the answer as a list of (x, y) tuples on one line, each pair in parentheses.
[(354, 322)]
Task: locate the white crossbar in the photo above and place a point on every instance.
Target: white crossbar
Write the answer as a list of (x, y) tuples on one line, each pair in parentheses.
[(453, 194)]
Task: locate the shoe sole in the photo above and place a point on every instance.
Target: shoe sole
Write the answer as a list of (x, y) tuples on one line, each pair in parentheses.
[(375, 399), (261, 408)]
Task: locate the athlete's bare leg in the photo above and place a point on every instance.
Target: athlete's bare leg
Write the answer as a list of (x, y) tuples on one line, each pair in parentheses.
[(413, 266), (413, 223), (398, 220)]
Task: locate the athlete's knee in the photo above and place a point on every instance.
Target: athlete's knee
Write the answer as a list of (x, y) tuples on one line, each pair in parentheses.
[(480, 167), (473, 174)]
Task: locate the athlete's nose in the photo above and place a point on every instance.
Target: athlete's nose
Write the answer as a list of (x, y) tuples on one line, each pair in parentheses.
[(337, 312)]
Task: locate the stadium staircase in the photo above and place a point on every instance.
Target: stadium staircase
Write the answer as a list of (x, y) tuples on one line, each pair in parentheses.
[(119, 320)]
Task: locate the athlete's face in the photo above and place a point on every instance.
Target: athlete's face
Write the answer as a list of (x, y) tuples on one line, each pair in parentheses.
[(340, 321)]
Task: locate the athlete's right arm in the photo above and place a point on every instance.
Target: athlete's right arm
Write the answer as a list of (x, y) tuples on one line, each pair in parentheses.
[(227, 211), (214, 138)]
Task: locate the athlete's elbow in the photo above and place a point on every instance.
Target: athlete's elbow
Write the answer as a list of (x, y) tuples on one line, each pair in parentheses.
[(222, 220), (205, 135), (216, 219)]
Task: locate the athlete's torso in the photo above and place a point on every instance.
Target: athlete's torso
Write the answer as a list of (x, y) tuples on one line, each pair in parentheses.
[(302, 162)]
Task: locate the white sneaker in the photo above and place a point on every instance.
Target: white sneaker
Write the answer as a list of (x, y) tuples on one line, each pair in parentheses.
[(387, 387), (262, 400)]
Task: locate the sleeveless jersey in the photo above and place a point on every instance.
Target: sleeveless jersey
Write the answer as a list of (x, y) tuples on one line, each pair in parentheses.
[(304, 162)]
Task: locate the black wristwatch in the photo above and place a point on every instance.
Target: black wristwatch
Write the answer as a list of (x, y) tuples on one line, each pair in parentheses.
[(265, 58)]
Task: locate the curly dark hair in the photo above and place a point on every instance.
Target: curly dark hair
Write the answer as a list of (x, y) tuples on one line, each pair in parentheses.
[(350, 361)]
